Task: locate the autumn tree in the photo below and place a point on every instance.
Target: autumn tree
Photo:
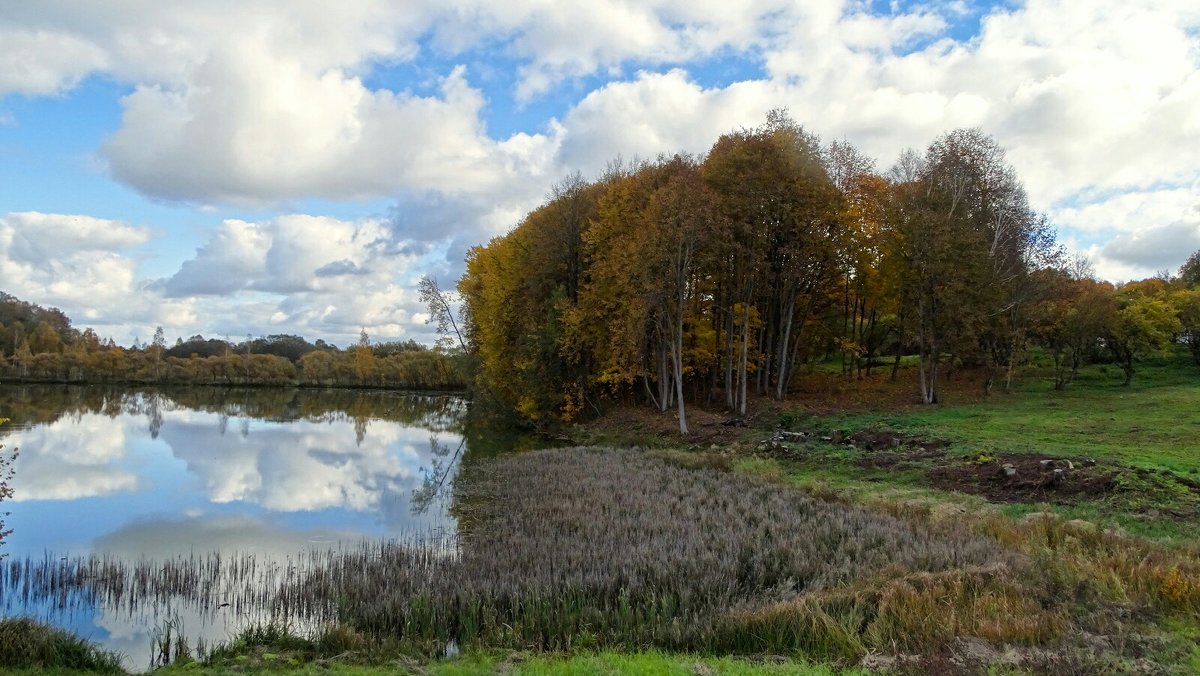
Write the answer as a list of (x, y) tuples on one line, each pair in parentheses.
[(519, 289), (868, 313), (1070, 319), (364, 359), (970, 243), (778, 249), (45, 339), (680, 215)]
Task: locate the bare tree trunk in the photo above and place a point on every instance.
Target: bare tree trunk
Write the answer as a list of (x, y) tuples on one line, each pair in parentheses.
[(927, 365), (664, 391), (649, 392), (677, 364), (743, 359), (781, 385), (730, 387), (1008, 373)]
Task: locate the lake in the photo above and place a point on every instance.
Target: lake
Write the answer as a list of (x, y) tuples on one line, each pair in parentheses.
[(269, 476)]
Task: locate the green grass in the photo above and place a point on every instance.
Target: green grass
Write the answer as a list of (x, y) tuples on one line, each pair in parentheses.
[(26, 645), (1153, 423), (521, 664), (274, 650), (655, 664)]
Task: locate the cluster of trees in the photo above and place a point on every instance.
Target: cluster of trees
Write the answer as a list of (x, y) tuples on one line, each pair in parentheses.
[(1080, 320), (41, 345), (712, 280)]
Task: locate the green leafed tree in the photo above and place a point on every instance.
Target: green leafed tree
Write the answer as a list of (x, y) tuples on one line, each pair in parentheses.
[(1141, 326), (1187, 306), (1189, 272)]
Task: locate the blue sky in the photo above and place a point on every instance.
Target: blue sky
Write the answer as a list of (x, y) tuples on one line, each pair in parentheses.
[(239, 167)]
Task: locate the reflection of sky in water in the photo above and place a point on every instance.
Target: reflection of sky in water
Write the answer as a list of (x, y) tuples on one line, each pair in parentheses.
[(204, 481)]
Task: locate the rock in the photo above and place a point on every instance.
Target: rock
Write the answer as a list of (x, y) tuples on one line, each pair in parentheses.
[(1046, 464), (1070, 465), (975, 650), (1089, 462), (1008, 470)]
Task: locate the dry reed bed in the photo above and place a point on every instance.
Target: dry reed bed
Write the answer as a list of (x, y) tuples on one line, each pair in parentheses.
[(614, 548)]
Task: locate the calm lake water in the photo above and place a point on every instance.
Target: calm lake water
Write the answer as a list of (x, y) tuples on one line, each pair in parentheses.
[(180, 474)]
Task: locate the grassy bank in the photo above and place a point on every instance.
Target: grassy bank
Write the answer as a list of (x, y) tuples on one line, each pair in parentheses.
[(26, 645), (258, 651)]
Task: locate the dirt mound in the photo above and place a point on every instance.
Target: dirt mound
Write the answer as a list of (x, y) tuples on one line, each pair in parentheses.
[(1027, 478), (1016, 477)]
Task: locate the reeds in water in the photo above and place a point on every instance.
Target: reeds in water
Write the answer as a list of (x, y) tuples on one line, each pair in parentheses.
[(612, 548)]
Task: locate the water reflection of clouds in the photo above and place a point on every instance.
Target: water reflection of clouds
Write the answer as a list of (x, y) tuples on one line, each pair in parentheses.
[(299, 466), (168, 538), (157, 480), (360, 473), (72, 458)]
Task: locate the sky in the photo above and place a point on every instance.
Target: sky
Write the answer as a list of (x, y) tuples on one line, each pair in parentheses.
[(255, 167)]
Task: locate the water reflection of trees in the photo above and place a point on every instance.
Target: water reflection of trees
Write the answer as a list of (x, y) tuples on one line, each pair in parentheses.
[(29, 405), (435, 488)]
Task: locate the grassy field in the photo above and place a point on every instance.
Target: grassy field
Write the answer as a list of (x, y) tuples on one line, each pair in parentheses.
[(1134, 451), (1153, 423)]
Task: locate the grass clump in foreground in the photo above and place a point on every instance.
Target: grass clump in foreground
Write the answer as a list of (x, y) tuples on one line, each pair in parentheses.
[(26, 644), (614, 549)]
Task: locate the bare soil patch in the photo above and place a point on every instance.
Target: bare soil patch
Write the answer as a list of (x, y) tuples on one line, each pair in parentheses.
[(1013, 477), (1028, 478)]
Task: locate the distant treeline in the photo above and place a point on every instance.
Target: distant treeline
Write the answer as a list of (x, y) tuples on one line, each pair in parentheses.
[(40, 345), (714, 279)]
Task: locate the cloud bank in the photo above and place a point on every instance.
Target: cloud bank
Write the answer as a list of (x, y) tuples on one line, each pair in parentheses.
[(252, 105)]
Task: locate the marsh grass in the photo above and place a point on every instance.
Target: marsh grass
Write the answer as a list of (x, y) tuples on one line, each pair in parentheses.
[(616, 549)]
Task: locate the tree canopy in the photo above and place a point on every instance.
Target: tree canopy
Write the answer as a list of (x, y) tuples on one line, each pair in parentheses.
[(714, 279)]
